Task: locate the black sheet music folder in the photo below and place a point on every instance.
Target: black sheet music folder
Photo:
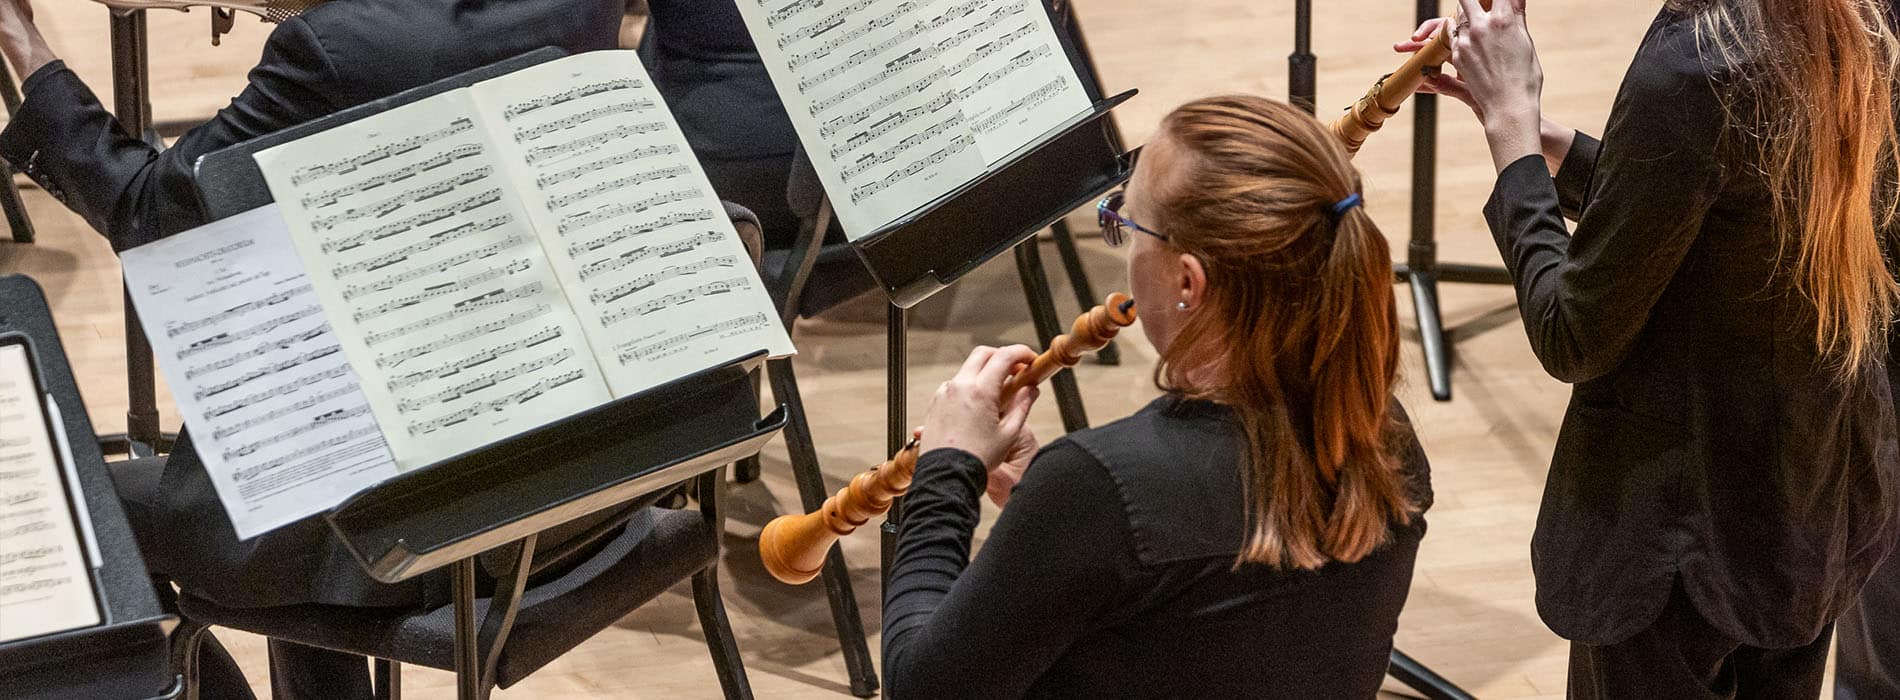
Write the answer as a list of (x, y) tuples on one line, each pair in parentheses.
[(492, 496), (1064, 170), (125, 655)]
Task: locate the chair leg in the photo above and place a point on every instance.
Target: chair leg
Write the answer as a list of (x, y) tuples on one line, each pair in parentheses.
[(1079, 281), (719, 639), (388, 680), (845, 615), (185, 642), (9, 191)]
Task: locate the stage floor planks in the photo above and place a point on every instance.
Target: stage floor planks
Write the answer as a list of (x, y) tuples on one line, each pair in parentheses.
[(1471, 615)]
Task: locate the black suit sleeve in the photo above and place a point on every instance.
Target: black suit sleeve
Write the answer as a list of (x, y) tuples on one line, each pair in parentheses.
[(1573, 177), (1058, 558), (67, 142), (1585, 298)]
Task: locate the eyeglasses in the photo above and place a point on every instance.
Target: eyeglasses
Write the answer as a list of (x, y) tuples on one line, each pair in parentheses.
[(1114, 225)]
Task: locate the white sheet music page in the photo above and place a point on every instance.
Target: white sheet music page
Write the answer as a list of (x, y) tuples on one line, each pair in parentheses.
[(652, 265), (275, 410), (438, 290), (898, 103), (45, 580)]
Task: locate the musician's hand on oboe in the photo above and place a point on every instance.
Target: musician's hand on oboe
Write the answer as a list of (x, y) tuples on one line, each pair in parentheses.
[(1006, 474), (1497, 62), (967, 412)]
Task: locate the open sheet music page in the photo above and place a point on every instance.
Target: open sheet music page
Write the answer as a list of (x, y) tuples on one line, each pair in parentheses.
[(433, 278), (898, 103), (279, 420), (651, 263), (45, 569)]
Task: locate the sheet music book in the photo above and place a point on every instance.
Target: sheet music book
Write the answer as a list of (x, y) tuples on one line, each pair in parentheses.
[(46, 556), (443, 275), (900, 103)]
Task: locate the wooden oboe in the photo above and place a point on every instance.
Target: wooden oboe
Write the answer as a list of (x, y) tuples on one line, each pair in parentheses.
[(794, 546), (1370, 113)]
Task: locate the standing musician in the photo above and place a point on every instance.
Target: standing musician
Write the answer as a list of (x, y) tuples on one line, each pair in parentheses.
[(1251, 533), (338, 55), (1725, 479)]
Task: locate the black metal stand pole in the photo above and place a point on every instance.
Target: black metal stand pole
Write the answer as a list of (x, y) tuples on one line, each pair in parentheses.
[(1042, 311), (897, 427), (1302, 67), (1416, 676), (1422, 271), (130, 88)]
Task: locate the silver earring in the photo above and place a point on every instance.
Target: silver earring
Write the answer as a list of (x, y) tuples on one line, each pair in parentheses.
[(1182, 305)]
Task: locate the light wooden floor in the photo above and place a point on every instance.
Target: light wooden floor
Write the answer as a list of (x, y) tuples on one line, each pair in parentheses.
[(1471, 615)]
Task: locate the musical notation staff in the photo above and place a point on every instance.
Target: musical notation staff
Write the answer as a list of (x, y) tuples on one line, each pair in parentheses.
[(396, 359), (891, 123), (223, 339), (394, 204), (567, 123), (485, 356), (521, 109), (790, 10), (648, 280), (1028, 102), (848, 36), (576, 222), (235, 429), (177, 329), (440, 290), (675, 299), (564, 201), (371, 433), (676, 342), (444, 159), (307, 175), (635, 231), (354, 291), (287, 436), (461, 309), (836, 124), (825, 23), (589, 144), (549, 180), (487, 381), (279, 367), (643, 253), (498, 405), (433, 242), (265, 348), (869, 162), (866, 191), (285, 389), (411, 223)]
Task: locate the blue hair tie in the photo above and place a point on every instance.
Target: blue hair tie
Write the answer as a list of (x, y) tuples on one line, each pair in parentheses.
[(1347, 204)]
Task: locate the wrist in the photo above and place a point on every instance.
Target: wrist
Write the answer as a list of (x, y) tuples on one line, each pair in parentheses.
[(1514, 134), (1557, 140)]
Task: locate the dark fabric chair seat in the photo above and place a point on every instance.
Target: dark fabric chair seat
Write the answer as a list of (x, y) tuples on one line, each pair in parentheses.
[(658, 548)]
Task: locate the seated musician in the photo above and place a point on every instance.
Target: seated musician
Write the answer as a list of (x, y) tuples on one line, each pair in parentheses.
[(338, 55), (1249, 534)]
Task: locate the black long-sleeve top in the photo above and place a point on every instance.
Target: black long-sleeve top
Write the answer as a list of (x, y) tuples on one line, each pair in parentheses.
[(1705, 440), (1112, 574)]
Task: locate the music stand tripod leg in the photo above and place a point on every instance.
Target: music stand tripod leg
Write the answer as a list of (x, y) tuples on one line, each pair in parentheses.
[(1042, 310), (1416, 676), (1079, 281)]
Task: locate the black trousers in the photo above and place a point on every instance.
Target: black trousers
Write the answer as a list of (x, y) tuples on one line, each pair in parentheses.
[(1681, 657), (1868, 665)]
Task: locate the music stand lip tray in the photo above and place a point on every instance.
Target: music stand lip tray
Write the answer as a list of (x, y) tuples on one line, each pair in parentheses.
[(491, 496), (1063, 170)]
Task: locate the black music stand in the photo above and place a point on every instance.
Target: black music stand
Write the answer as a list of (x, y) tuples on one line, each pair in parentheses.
[(1422, 271), (131, 88), (124, 656)]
